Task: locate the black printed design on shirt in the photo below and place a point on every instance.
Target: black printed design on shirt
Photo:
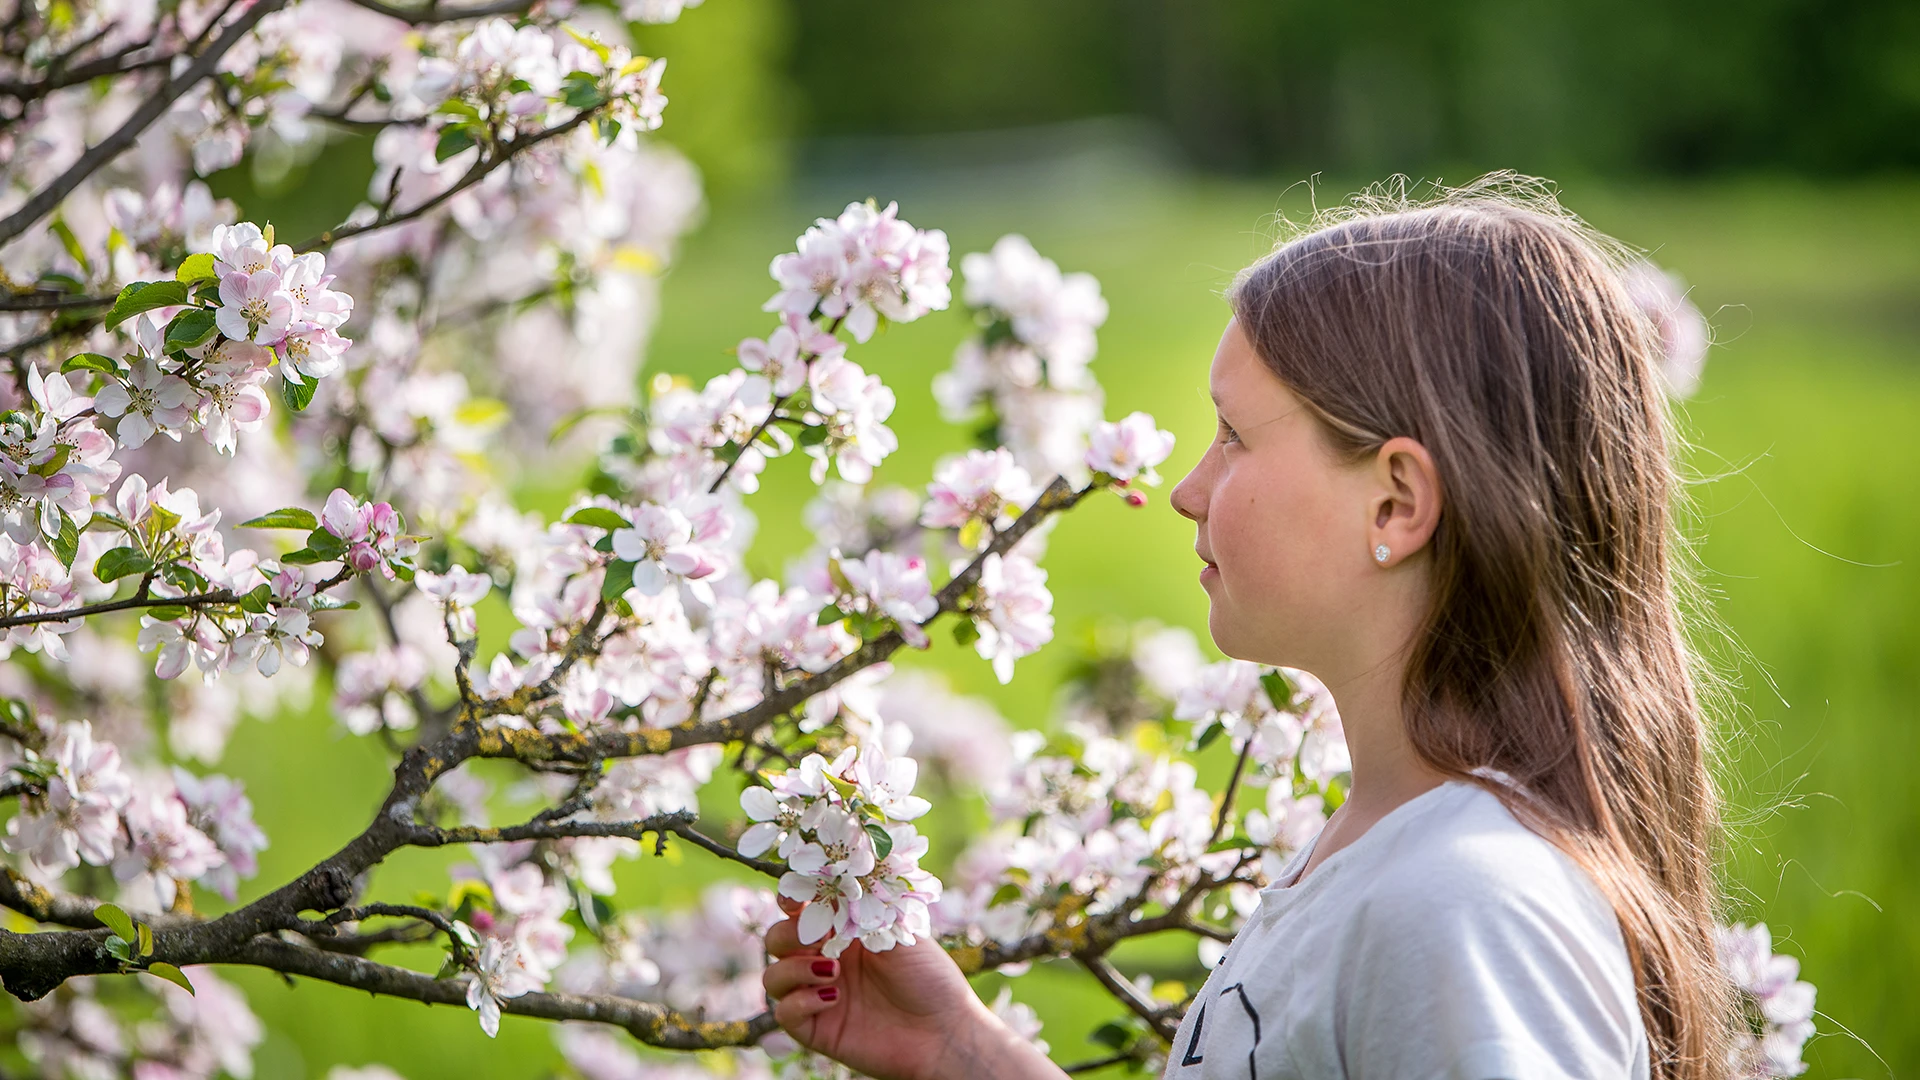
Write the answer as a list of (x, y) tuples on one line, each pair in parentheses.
[(1253, 1071), (1192, 1056)]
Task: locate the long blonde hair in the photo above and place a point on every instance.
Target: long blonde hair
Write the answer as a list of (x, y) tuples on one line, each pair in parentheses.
[(1495, 328)]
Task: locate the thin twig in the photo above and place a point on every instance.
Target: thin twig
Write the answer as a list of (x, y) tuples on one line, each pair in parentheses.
[(43, 201)]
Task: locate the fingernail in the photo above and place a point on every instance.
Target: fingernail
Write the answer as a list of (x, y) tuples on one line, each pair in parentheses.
[(829, 993), (824, 968)]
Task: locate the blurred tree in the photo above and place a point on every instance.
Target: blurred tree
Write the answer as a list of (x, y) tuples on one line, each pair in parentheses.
[(1600, 85)]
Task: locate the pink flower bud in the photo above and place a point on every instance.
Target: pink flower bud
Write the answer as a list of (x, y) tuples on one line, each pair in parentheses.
[(362, 557)]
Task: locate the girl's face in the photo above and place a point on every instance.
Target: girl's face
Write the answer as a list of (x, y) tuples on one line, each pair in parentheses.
[(1283, 525)]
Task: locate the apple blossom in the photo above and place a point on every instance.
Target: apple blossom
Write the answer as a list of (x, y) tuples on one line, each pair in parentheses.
[(1129, 449), (77, 819)]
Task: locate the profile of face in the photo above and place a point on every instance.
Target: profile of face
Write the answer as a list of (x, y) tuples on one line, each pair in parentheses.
[(1287, 528)]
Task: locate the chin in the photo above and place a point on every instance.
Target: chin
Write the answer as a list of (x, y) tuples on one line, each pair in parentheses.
[(1254, 645)]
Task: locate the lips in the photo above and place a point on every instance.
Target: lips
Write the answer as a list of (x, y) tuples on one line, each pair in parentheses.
[(1203, 558)]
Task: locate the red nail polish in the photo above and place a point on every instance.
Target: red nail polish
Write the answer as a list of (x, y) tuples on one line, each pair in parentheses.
[(829, 993), (823, 968)]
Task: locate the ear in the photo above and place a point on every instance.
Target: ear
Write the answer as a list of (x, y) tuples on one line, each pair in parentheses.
[(1405, 508)]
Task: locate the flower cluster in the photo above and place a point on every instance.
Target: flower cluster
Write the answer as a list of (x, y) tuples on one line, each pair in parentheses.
[(156, 831), (862, 266), (852, 859), (1776, 1002), (1028, 369)]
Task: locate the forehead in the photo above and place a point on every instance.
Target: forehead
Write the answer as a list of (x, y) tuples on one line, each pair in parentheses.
[(1238, 374)]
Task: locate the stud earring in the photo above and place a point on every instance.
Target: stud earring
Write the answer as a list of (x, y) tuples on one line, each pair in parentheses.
[(1381, 553)]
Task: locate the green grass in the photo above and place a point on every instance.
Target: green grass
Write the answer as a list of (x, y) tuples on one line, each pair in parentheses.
[(1805, 422)]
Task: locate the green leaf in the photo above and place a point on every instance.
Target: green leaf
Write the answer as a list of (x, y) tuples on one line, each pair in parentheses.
[(1208, 736), (167, 612), (144, 296), (71, 243), (91, 361), (120, 948), (1279, 690), (598, 517), (67, 544), (304, 557), (456, 107), (1115, 1036), (1005, 894), (289, 517), (116, 920), (297, 395), (829, 615), (172, 974), (594, 43), (325, 544), (190, 329), (965, 632), (146, 938), (195, 269), (618, 580), (121, 562), (813, 435), (257, 600), (582, 91), (453, 139), (882, 840)]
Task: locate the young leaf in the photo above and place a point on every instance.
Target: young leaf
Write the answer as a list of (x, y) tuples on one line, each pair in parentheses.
[(290, 517), (453, 139), (599, 517), (115, 920), (119, 563), (67, 544), (146, 938), (190, 329), (257, 600), (195, 269), (297, 395), (882, 840), (1279, 690), (120, 949), (91, 361), (618, 580), (326, 545), (71, 243), (172, 974), (144, 296)]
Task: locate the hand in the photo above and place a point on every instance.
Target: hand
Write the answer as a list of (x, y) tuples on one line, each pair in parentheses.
[(904, 1014)]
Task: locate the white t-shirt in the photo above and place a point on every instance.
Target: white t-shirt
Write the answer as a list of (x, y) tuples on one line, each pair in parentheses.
[(1449, 942)]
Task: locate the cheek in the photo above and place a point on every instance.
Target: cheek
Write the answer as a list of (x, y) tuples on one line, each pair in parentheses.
[(1275, 535)]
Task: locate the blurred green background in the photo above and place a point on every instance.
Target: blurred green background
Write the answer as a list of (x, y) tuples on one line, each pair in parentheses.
[(1765, 151)]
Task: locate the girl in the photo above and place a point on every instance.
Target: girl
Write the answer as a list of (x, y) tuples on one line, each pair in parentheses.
[(1442, 484)]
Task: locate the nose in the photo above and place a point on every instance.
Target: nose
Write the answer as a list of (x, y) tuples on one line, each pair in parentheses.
[(1189, 495)]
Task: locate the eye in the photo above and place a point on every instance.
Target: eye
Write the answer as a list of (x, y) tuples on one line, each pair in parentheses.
[(1227, 434)]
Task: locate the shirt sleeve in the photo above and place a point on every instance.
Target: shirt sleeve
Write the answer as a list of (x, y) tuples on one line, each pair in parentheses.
[(1453, 980)]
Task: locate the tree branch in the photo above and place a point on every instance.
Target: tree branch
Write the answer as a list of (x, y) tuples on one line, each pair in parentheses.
[(678, 824), (478, 172), (430, 14), (653, 1024), (527, 745), (1157, 1016), (48, 197), (49, 300), (144, 599)]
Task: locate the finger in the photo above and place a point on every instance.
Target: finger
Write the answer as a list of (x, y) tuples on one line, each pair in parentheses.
[(788, 904), (796, 1011), (799, 973), (783, 939)]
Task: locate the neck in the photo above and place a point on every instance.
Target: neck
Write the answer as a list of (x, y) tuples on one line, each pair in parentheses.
[(1386, 770)]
